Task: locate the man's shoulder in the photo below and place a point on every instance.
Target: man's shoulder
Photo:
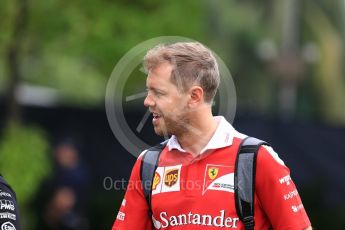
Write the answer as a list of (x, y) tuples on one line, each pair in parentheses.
[(142, 154), (267, 153), (4, 186), (158, 147)]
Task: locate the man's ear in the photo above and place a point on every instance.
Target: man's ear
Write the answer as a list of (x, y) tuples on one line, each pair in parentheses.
[(196, 94)]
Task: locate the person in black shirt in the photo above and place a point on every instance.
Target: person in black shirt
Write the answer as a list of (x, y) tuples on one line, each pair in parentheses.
[(9, 214)]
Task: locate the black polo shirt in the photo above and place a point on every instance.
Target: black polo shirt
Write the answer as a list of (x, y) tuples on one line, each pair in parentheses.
[(9, 214)]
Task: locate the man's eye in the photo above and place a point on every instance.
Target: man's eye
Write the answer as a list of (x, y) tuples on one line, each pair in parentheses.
[(158, 93)]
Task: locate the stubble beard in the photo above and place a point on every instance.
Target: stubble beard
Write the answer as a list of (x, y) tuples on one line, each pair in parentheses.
[(173, 126)]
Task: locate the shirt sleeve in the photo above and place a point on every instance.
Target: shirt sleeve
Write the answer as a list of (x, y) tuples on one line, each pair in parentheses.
[(9, 214), (133, 213), (277, 193)]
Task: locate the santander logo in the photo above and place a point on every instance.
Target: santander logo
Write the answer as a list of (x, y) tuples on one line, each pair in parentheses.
[(195, 219)]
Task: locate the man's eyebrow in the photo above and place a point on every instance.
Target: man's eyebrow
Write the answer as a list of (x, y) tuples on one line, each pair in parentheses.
[(154, 89)]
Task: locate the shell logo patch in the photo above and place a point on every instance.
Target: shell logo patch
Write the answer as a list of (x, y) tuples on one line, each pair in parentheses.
[(156, 180)]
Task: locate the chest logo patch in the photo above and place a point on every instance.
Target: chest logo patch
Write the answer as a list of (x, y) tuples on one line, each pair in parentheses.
[(166, 179), (213, 172), (219, 178), (171, 177), (156, 180)]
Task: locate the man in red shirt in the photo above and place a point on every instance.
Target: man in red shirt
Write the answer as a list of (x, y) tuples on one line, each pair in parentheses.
[(193, 185)]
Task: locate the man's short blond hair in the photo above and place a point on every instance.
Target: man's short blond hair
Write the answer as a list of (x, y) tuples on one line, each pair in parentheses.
[(193, 64)]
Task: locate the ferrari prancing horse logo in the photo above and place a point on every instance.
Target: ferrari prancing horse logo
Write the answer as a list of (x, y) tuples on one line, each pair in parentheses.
[(213, 172)]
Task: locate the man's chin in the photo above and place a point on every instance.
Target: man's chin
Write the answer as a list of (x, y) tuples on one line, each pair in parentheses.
[(160, 132)]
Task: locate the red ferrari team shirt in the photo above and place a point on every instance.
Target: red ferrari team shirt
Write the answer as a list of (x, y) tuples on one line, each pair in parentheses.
[(198, 192)]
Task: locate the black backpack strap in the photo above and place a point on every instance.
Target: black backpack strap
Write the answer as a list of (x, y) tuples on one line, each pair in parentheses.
[(148, 168), (245, 180)]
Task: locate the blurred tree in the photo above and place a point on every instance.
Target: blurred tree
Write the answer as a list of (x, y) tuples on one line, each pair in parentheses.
[(73, 46), (282, 60), (13, 55), (236, 29), (329, 73)]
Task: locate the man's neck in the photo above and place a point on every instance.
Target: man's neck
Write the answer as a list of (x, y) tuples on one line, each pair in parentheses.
[(198, 135)]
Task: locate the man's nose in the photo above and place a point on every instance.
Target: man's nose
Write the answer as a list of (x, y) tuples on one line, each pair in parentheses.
[(148, 102)]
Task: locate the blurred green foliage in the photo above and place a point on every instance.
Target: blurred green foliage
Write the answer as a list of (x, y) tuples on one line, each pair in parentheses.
[(73, 46)]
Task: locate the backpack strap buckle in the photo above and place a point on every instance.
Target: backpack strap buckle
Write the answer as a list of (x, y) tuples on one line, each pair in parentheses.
[(249, 222)]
